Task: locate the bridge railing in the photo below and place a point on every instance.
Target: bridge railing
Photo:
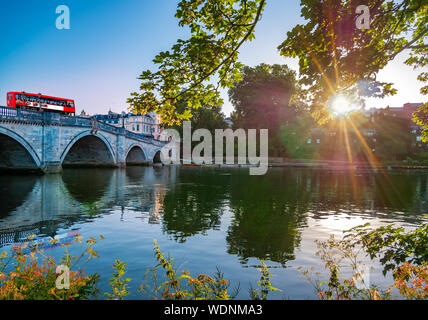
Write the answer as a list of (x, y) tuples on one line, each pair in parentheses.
[(8, 113), (12, 114)]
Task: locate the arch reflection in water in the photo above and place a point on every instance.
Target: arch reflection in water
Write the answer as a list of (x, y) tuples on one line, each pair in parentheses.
[(42, 212), (14, 191), (54, 202), (87, 186)]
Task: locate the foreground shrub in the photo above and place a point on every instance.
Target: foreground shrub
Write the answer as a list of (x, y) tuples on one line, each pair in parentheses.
[(340, 256), (265, 286), (403, 252), (182, 286), (27, 273), (393, 246), (412, 281), (118, 283)]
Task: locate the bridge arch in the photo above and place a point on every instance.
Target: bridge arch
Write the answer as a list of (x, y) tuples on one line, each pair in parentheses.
[(136, 155), (157, 157), (88, 149), (15, 151)]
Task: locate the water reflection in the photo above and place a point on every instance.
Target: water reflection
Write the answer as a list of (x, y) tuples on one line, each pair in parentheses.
[(266, 214), (270, 211), (87, 186), (14, 191), (196, 202)]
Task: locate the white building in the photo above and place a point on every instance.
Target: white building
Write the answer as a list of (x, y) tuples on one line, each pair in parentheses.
[(148, 124)]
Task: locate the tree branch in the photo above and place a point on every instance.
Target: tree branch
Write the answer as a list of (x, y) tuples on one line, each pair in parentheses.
[(259, 11)]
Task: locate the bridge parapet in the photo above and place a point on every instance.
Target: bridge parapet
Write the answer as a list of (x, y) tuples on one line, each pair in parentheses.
[(52, 118)]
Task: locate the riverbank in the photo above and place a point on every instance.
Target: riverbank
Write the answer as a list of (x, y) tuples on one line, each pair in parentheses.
[(323, 164), (334, 164), (272, 163)]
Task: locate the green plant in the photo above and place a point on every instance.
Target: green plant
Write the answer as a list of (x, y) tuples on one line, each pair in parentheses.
[(185, 287), (118, 283), (340, 255), (264, 283), (394, 246), (403, 252)]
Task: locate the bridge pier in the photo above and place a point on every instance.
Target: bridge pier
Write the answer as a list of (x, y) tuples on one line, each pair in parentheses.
[(51, 167)]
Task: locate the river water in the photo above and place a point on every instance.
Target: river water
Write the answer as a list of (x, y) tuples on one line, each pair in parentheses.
[(209, 217)]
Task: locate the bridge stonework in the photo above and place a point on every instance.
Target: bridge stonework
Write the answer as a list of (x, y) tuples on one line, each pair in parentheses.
[(48, 141)]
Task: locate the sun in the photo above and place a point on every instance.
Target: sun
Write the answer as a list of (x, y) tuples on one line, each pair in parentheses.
[(341, 105)]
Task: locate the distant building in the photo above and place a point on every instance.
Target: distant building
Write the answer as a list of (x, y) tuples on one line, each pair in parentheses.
[(147, 124), (405, 112), (320, 135), (84, 114)]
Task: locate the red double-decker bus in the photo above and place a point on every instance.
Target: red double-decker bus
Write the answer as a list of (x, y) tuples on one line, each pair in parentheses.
[(34, 101)]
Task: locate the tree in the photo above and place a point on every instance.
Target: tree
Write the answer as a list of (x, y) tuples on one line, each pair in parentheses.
[(262, 100), (218, 29), (421, 119), (335, 56), (295, 135), (393, 136), (209, 117)]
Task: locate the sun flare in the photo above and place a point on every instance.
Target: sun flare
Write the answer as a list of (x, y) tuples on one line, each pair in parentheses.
[(340, 105)]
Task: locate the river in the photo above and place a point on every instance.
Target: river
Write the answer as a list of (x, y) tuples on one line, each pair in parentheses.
[(209, 217)]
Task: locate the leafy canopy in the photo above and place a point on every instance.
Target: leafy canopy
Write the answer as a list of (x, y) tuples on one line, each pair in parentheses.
[(185, 73), (262, 97), (335, 57), (262, 100)]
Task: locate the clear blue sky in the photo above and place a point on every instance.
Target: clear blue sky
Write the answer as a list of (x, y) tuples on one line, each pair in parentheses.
[(110, 42)]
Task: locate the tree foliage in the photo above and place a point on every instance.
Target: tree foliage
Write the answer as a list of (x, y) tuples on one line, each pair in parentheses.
[(421, 119), (262, 100), (185, 73), (394, 246), (262, 97), (295, 136), (335, 57), (208, 117), (393, 136)]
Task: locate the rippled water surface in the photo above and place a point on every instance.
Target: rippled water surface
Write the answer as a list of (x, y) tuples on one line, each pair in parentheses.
[(209, 217)]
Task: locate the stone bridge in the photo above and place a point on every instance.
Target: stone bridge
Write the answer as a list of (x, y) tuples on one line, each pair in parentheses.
[(47, 141)]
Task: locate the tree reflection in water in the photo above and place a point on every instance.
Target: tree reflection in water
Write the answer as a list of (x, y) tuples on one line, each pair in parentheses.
[(269, 211), (196, 203)]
